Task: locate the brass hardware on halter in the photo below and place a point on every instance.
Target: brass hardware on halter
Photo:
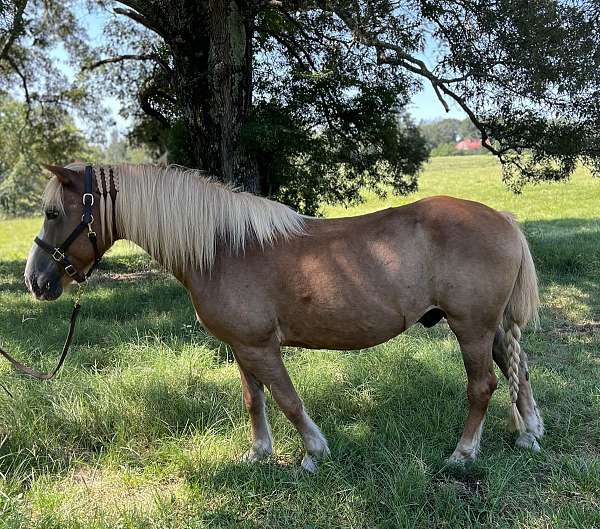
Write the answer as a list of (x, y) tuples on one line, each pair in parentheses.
[(59, 254)]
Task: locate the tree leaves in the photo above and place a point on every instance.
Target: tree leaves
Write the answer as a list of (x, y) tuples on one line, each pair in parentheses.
[(330, 84)]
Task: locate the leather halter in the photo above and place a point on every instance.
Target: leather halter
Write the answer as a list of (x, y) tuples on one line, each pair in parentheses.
[(59, 253)]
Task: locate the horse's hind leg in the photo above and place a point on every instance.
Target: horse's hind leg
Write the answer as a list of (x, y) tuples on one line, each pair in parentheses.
[(525, 401), (254, 399), (266, 365), (477, 356)]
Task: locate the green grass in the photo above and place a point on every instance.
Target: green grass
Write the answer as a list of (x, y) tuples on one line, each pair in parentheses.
[(145, 424)]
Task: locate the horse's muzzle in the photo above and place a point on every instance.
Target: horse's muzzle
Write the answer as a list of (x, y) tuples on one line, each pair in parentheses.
[(43, 288)]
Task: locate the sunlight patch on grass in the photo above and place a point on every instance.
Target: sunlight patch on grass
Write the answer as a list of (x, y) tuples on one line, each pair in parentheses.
[(105, 496), (145, 425)]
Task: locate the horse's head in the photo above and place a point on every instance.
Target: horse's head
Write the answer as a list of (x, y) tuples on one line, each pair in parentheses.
[(66, 222)]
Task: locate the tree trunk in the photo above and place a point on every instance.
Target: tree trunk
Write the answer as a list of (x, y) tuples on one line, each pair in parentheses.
[(213, 80), (230, 93), (211, 45)]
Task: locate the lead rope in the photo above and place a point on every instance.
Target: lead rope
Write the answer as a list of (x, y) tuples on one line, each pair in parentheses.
[(21, 368), (87, 218)]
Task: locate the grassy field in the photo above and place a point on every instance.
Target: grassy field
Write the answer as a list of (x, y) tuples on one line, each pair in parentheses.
[(145, 424)]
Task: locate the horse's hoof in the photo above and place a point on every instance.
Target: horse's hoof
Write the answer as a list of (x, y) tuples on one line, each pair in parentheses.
[(255, 454), (527, 441), (460, 459), (309, 464)]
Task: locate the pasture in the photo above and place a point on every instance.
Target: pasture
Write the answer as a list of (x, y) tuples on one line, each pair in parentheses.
[(145, 424)]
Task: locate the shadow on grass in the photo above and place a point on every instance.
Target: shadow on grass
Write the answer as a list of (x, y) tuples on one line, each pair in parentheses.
[(565, 247), (386, 448), (414, 413)]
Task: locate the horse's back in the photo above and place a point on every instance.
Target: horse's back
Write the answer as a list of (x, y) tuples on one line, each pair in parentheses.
[(438, 223), (438, 251)]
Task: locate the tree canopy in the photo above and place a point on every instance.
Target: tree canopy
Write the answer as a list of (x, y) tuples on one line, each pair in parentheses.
[(27, 141), (305, 100)]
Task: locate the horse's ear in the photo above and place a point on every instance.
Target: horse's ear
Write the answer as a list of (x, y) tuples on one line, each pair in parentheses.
[(64, 175)]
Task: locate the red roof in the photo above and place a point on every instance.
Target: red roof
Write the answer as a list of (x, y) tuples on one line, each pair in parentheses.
[(468, 144)]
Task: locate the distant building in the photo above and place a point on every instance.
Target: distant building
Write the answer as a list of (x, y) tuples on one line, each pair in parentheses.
[(468, 144)]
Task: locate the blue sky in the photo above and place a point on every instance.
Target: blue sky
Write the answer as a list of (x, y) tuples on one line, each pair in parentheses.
[(424, 105)]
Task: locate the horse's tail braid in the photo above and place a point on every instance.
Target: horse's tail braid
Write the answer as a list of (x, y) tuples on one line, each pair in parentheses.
[(522, 307), (513, 350)]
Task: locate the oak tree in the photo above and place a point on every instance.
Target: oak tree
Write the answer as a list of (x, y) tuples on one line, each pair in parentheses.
[(305, 100)]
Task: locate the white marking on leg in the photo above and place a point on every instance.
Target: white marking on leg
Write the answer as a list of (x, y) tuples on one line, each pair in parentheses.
[(262, 440), (527, 441), (535, 428), (309, 464), (533, 420), (259, 450), (468, 451), (315, 444), (314, 440)]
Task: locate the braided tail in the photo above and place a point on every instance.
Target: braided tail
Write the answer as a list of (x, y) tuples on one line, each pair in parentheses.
[(513, 349), (522, 307)]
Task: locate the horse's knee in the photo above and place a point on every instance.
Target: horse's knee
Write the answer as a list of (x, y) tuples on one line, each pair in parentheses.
[(481, 390)]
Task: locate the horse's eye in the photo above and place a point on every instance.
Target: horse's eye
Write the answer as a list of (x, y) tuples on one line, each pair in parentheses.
[(51, 214)]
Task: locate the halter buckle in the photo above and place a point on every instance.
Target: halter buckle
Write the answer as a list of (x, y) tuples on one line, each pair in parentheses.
[(70, 270), (58, 253), (85, 195)]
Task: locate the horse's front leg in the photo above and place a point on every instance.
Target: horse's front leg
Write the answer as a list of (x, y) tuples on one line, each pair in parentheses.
[(254, 399), (266, 365)]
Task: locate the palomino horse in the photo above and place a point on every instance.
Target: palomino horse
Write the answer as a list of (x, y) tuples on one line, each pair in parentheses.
[(261, 276)]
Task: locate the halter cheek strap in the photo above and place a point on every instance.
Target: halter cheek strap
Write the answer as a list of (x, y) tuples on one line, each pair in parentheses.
[(59, 253)]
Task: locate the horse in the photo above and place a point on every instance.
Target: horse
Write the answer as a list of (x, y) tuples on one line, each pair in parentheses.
[(262, 276)]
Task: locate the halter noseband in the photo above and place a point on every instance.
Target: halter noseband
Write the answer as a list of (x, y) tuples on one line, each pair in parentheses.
[(58, 253)]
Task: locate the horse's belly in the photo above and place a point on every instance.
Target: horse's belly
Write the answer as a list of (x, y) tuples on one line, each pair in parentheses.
[(330, 331)]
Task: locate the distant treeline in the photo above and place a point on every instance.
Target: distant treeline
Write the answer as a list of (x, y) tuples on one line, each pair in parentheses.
[(442, 135)]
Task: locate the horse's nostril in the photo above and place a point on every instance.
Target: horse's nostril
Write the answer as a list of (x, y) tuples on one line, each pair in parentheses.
[(33, 285)]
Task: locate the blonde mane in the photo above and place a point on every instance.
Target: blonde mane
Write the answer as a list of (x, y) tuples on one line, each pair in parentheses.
[(178, 215), (53, 196)]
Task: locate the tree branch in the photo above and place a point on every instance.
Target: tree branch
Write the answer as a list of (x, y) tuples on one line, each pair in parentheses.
[(417, 66), (129, 57), (13, 33), (23, 78), (303, 57), (145, 95), (141, 19)]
